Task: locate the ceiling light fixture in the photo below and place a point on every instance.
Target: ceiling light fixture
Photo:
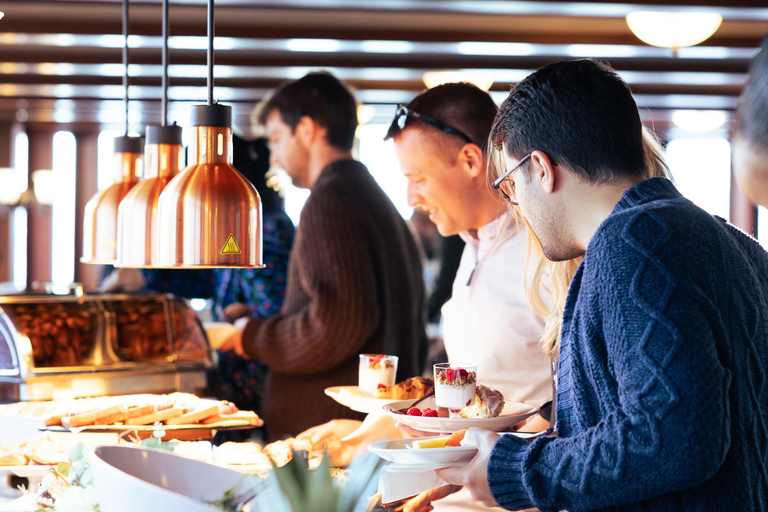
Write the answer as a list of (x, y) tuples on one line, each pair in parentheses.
[(100, 218), (435, 78), (210, 214), (699, 121), (137, 219), (673, 29)]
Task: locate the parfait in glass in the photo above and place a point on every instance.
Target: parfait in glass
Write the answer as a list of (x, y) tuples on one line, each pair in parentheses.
[(376, 370), (455, 385)]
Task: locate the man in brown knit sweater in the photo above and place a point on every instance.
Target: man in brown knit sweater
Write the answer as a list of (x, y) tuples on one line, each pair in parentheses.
[(354, 279)]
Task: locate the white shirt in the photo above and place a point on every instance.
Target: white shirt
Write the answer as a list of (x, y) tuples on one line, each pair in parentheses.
[(488, 321)]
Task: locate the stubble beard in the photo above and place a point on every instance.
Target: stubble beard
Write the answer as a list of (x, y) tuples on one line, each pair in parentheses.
[(552, 229)]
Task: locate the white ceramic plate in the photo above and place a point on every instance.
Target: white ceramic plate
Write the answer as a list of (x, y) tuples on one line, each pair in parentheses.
[(401, 452), (352, 397), (512, 414), (28, 471)]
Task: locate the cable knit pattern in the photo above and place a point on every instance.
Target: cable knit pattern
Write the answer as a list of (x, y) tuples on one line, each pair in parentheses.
[(662, 400), (354, 286)]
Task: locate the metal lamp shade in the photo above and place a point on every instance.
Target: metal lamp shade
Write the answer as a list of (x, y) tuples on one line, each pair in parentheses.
[(100, 217), (210, 214), (137, 217)]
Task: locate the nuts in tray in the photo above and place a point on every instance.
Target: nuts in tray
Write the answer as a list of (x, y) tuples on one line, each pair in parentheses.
[(142, 334), (148, 328), (190, 343), (62, 334)]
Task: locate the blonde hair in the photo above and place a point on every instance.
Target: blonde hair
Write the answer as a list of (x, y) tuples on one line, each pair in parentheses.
[(554, 277)]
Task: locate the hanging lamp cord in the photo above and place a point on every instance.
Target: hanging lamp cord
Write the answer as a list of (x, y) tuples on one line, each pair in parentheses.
[(164, 120), (210, 52), (125, 61)]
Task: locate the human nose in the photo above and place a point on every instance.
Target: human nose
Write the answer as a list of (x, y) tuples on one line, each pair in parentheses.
[(414, 198)]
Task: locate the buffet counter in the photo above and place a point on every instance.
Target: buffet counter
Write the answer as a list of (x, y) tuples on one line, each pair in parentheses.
[(55, 347)]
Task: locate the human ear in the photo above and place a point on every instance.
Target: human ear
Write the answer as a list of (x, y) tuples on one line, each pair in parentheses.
[(474, 161), (306, 130), (543, 172)]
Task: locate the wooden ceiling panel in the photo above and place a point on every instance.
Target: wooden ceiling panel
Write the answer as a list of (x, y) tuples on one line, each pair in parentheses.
[(65, 56)]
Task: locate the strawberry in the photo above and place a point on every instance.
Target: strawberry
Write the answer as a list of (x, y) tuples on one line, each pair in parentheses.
[(377, 359), (429, 413), (463, 372), (414, 411), (381, 386), (450, 374)]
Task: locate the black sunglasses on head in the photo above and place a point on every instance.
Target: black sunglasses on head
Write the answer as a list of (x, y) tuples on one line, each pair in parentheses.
[(403, 113)]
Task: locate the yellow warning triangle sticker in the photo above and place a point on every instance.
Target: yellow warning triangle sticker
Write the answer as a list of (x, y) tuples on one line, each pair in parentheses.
[(230, 247)]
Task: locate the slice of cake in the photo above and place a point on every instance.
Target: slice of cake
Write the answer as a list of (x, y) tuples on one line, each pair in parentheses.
[(488, 404), (415, 387)]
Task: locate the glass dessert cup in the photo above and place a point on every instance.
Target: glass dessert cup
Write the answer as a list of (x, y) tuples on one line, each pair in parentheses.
[(376, 370), (455, 385)]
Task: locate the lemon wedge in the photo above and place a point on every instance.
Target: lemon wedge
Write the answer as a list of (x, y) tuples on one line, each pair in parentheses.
[(431, 443)]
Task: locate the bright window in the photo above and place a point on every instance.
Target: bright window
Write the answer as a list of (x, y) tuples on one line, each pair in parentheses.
[(702, 172), (19, 230), (20, 248), (295, 198), (380, 158), (63, 214), (21, 159)]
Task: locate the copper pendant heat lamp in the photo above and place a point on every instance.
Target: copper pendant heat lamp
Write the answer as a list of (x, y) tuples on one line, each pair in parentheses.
[(100, 217), (210, 214), (137, 220)]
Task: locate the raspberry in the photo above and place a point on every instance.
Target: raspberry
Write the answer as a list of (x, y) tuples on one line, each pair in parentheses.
[(414, 411), (450, 374), (429, 413), (381, 386), (463, 372)]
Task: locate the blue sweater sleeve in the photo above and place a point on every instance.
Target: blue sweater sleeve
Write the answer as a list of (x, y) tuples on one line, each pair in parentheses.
[(639, 315)]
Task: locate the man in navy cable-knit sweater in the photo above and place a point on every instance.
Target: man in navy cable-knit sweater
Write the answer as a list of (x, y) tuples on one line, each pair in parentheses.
[(662, 400)]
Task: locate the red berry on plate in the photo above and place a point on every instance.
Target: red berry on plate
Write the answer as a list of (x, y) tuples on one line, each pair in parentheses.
[(381, 386), (469, 401), (414, 411), (463, 372), (430, 413)]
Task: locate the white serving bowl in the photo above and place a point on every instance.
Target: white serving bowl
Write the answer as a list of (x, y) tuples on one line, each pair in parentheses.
[(130, 479)]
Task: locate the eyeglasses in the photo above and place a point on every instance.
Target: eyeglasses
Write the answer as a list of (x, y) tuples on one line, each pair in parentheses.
[(403, 113), (506, 187)]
